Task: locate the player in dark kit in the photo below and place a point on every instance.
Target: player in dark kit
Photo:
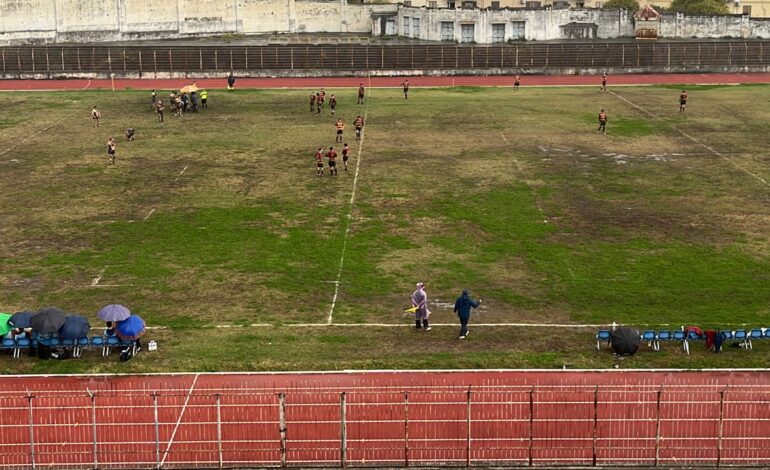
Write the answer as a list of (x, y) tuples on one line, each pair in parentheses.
[(359, 125), (682, 101), (602, 122), (333, 104), (345, 155), (332, 156), (319, 161), (159, 108), (406, 89), (130, 133), (360, 93), (322, 96), (111, 150), (318, 102), (312, 102), (604, 83), (516, 82)]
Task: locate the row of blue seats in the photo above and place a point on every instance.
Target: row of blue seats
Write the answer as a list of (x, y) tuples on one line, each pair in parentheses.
[(654, 338), (105, 343)]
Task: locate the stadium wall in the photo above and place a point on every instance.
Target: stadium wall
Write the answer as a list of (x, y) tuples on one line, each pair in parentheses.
[(56, 21)]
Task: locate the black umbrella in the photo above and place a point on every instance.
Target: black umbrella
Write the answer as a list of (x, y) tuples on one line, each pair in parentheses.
[(74, 327), (625, 341), (48, 320), (20, 319)]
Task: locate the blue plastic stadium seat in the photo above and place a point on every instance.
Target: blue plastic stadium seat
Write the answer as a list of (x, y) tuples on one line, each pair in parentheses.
[(7, 344), (756, 333), (54, 342), (664, 335), (603, 335), (651, 338), (68, 343), (22, 343), (109, 343), (727, 335)]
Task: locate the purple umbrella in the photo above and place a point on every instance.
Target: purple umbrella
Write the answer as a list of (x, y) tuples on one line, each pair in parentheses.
[(130, 328), (114, 312)]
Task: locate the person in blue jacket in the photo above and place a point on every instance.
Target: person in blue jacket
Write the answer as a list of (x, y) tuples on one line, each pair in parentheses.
[(463, 306)]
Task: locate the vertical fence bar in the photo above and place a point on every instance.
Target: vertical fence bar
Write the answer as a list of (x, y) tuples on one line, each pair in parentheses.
[(48, 61), (32, 54), (31, 432), (124, 60), (157, 429), (669, 55), (531, 421), (62, 60), (79, 67), (109, 59), (216, 60), (155, 60), (261, 60), (93, 424), (3, 53), (219, 428), (343, 431), (246, 57), (231, 59), (170, 61), (382, 57), (657, 428), (200, 58), (18, 57), (406, 429), (596, 419), (291, 55), (468, 429), (721, 417), (282, 418)]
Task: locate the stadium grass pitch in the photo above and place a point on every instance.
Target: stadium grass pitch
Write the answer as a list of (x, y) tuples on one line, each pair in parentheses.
[(218, 218)]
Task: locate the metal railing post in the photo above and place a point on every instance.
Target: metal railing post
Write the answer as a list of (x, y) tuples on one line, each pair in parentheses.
[(155, 60), (531, 421), (468, 429), (406, 429), (157, 429), (140, 61), (93, 428), (721, 421), (170, 61), (62, 60), (657, 428), (282, 425), (31, 431), (219, 428), (343, 431), (596, 419)]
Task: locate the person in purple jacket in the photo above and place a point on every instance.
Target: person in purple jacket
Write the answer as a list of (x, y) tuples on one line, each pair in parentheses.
[(420, 302)]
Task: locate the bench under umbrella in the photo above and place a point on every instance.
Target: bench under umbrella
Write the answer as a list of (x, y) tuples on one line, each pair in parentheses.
[(114, 312), (4, 326), (20, 319), (131, 328), (625, 341)]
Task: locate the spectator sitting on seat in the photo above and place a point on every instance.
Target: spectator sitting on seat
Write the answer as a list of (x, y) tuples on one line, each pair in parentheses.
[(110, 329)]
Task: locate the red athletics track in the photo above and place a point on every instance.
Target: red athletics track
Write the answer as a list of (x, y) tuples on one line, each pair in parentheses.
[(415, 81), (491, 417)]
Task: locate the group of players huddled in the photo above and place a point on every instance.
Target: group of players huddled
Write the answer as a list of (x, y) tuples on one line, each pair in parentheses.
[(317, 103)]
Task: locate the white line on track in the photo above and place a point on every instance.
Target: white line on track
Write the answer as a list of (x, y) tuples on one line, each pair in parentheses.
[(149, 214), (29, 138), (87, 84), (523, 178), (95, 281), (349, 222), (696, 141), (181, 415)]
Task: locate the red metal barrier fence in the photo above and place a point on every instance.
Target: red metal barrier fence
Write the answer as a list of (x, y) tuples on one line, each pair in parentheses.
[(397, 426)]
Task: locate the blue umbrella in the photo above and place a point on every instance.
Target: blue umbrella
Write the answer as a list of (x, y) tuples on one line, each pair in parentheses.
[(114, 312), (74, 327), (20, 319), (130, 328)]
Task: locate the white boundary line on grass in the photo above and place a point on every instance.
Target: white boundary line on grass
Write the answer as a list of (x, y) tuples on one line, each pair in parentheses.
[(696, 141), (29, 137), (149, 214), (523, 176), (95, 281), (349, 221), (181, 414)]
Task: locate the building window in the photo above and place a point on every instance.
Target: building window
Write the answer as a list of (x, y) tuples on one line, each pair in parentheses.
[(432, 4), (518, 30), (468, 33), (447, 31), (450, 4), (407, 27), (747, 10), (407, 3), (498, 32), (495, 5), (416, 27), (469, 4)]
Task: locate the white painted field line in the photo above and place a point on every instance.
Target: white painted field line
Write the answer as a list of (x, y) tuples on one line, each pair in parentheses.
[(149, 214), (349, 223), (95, 281), (181, 414), (29, 138), (523, 178), (87, 84), (696, 141), (181, 173)]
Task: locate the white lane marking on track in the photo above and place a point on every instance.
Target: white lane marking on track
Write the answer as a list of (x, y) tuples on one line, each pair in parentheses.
[(521, 172), (87, 84), (349, 221), (149, 214), (179, 420), (95, 281), (694, 140), (29, 138)]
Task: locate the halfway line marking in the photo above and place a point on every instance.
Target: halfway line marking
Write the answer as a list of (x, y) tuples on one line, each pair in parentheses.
[(693, 139), (350, 221), (181, 414)]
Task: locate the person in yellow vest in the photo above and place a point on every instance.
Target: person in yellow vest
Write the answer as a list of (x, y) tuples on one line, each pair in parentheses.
[(204, 99)]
